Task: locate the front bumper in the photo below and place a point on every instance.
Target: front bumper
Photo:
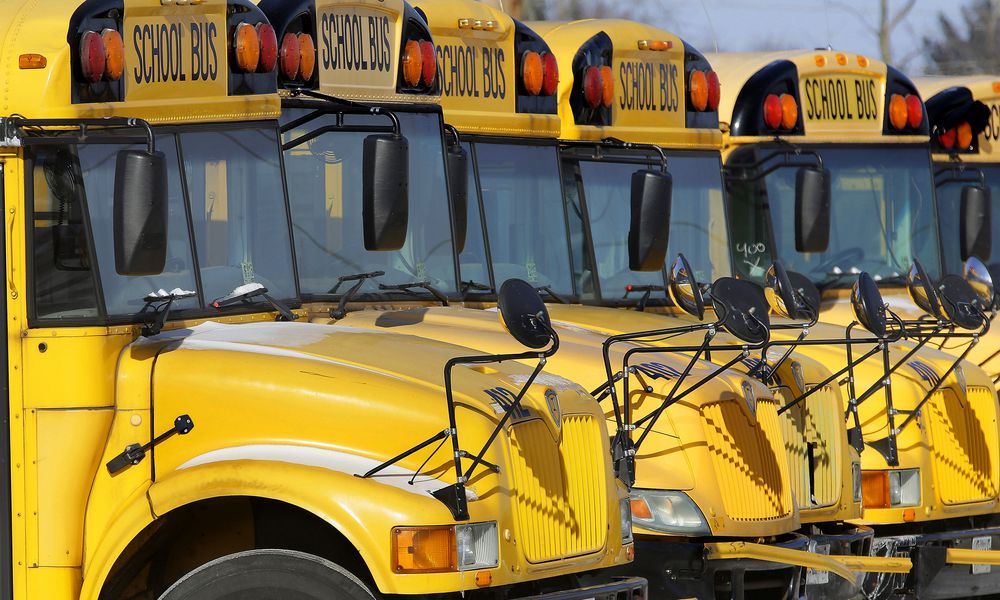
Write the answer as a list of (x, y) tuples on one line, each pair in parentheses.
[(959, 563), (728, 569), (849, 545), (625, 588)]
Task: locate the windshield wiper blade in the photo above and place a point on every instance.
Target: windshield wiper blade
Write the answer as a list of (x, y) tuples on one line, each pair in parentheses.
[(160, 302), (360, 279), (646, 291), (548, 290), (421, 285), (247, 292), (465, 286)]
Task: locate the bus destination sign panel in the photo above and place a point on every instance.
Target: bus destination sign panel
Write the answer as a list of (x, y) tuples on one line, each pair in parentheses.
[(476, 73), (650, 93), (836, 101), (358, 46), (175, 52)]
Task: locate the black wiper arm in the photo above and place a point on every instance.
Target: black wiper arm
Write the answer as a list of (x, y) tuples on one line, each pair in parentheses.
[(420, 285), (245, 293), (475, 286), (160, 303), (359, 279), (646, 291), (548, 290)]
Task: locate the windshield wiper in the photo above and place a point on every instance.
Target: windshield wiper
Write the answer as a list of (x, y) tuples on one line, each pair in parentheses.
[(360, 278), (548, 290), (646, 291), (421, 285), (245, 293), (465, 286), (160, 302)]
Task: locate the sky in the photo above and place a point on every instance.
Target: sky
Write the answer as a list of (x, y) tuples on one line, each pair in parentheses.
[(779, 24)]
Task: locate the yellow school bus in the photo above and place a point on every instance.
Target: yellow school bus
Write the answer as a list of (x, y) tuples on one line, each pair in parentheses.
[(929, 468), (169, 431), (376, 77), (964, 116)]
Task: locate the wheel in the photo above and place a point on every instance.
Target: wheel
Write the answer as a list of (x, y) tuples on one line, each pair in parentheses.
[(268, 575)]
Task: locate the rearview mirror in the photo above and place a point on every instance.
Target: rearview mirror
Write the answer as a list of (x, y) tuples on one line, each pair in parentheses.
[(650, 224), (523, 314), (742, 309), (812, 209), (981, 280), (869, 309), (790, 294), (458, 184), (922, 291), (960, 302), (385, 197), (974, 222), (684, 289), (140, 213)]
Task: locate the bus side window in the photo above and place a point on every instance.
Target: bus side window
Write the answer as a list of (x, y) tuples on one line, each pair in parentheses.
[(63, 282)]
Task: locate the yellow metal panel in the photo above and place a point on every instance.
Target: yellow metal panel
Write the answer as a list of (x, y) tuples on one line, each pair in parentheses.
[(51, 583), (77, 359), (812, 429), (964, 444), (69, 447)]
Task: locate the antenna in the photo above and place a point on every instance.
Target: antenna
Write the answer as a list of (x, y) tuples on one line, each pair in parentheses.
[(711, 26)]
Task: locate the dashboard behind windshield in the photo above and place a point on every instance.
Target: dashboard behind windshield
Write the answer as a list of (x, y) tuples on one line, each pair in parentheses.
[(882, 215)]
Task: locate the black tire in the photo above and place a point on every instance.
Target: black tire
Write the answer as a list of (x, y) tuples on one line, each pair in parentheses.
[(268, 575)]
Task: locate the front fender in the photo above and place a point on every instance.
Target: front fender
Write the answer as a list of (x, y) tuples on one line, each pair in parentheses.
[(362, 510)]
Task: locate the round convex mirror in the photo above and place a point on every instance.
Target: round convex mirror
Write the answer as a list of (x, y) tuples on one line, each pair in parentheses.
[(979, 277), (684, 289), (790, 294), (922, 291), (959, 302), (520, 309), (869, 309), (742, 309)]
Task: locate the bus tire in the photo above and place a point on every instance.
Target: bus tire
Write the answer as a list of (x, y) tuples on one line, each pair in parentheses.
[(268, 574)]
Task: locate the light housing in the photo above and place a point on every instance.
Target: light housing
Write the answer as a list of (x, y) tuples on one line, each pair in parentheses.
[(772, 111), (92, 56), (914, 111), (246, 47), (532, 72), (607, 86), (428, 55), (856, 480), (714, 91), (290, 55), (593, 87), (789, 111), (307, 56), (698, 86), (114, 54), (625, 508), (891, 488), (963, 136), (268, 48), (445, 548), (668, 511), (413, 63), (550, 74)]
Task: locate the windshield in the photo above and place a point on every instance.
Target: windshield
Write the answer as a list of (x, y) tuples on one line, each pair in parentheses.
[(697, 219), (521, 199), (949, 209), (325, 178), (882, 215), (228, 193)]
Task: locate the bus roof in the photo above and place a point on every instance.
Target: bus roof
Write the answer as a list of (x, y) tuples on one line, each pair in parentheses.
[(650, 70), (481, 52), (957, 94), (172, 62), (839, 97)]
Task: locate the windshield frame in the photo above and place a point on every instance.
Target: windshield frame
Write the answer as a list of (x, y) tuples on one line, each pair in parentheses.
[(202, 311), (762, 148), (320, 108), (471, 141)]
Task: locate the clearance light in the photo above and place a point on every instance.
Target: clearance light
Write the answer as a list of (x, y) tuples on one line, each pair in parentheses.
[(412, 63), (897, 111), (714, 91), (114, 54), (465, 547), (92, 58), (550, 74), (772, 111), (890, 489), (947, 139), (291, 56), (268, 48), (247, 47), (428, 54), (698, 83), (963, 136), (307, 56), (914, 111), (532, 72), (593, 87), (789, 111), (875, 489), (655, 45), (31, 61), (607, 87)]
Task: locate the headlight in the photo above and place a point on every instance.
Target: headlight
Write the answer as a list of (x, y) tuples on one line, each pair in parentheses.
[(856, 480), (446, 548), (890, 489), (668, 511), (626, 514)]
